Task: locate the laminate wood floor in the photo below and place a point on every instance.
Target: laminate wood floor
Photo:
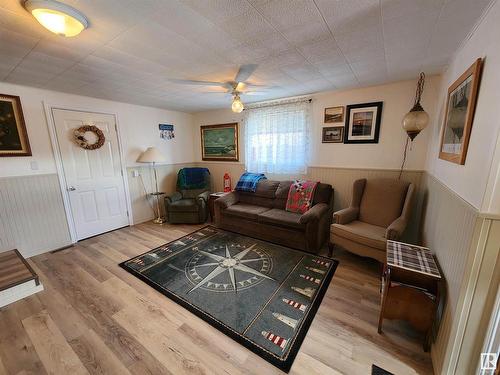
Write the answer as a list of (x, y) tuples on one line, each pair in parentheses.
[(94, 317)]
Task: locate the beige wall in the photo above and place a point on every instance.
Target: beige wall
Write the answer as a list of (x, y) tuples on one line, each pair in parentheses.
[(470, 180), (387, 154)]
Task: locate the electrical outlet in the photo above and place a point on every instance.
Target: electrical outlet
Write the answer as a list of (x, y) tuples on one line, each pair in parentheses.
[(135, 173), (34, 165)]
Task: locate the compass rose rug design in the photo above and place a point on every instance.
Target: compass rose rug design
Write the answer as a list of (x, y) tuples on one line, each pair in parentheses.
[(262, 295)]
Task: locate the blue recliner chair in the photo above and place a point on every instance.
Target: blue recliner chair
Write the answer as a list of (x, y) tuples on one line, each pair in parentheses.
[(189, 204)]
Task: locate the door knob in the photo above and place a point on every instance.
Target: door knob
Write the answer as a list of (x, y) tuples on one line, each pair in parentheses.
[(71, 188)]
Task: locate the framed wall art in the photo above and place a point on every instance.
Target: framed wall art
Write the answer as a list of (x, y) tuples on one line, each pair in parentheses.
[(334, 114), (459, 115), (13, 135), (362, 123), (219, 142), (333, 134)]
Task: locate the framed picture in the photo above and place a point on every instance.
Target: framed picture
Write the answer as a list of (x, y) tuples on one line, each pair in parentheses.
[(334, 114), (460, 106), (219, 142), (362, 123), (13, 136), (333, 134)]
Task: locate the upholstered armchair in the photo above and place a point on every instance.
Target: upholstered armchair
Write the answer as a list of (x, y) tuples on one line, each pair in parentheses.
[(189, 204), (379, 211)]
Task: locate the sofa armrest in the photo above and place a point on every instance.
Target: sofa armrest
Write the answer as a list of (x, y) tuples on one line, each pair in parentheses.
[(174, 197), (227, 200), (203, 196), (346, 215), (314, 213), (396, 229)]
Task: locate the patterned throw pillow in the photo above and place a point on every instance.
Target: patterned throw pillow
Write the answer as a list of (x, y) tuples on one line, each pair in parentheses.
[(300, 196)]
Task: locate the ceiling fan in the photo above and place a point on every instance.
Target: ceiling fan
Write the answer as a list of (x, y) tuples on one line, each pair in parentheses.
[(236, 87)]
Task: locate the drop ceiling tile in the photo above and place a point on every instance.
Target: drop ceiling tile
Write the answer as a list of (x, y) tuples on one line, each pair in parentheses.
[(219, 10), (402, 8), (250, 25)]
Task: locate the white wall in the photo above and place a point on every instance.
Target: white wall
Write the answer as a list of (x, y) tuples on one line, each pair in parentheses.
[(469, 181), (138, 125), (387, 154)]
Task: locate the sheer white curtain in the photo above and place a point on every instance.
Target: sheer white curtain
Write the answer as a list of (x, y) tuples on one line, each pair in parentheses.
[(277, 138)]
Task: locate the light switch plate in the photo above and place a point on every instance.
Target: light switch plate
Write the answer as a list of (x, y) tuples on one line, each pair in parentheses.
[(34, 165), (135, 173)]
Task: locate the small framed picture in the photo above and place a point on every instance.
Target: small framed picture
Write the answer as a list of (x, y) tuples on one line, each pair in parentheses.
[(460, 105), (13, 135), (333, 134), (362, 124), (334, 114)]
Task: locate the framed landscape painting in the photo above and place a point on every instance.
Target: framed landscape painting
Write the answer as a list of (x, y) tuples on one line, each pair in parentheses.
[(362, 123), (13, 136), (334, 114), (333, 134), (460, 106), (219, 142)]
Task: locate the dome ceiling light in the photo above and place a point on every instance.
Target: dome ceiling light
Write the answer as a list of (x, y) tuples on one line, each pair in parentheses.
[(57, 17)]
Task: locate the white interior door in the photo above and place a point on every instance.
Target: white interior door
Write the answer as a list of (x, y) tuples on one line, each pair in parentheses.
[(93, 177)]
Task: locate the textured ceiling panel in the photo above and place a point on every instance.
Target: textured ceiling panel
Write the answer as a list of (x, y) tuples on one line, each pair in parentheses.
[(135, 50)]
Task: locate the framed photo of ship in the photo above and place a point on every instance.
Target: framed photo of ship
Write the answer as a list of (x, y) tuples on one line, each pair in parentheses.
[(459, 115), (333, 134), (334, 114), (219, 142), (13, 135), (362, 123)]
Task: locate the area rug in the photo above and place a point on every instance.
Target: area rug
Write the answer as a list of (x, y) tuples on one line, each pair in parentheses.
[(262, 295)]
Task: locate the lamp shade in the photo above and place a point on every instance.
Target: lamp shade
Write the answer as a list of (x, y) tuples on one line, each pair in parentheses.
[(151, 155)]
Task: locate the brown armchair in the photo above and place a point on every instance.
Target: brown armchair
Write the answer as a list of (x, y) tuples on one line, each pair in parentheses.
[(379, 211)]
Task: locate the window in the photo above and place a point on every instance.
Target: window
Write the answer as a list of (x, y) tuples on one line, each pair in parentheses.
[(277, 138)]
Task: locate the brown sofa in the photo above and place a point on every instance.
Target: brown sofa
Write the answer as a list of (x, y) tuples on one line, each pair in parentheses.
[(262, 215), (379, 211)]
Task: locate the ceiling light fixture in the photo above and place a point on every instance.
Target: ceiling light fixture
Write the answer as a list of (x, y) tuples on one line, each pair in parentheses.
[(237, 105), (57, 17), (417, 119)]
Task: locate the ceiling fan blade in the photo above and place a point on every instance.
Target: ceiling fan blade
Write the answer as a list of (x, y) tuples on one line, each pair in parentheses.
[(198, 83), (245, 72)]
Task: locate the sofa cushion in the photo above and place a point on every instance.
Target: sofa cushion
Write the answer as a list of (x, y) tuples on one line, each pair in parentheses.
[(282, 194), (281, 218), (382, 201), (322, 193), (364, 233), (183, 205), (246, 211)]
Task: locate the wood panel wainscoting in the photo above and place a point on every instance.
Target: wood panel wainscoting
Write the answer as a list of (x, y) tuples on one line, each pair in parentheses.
[(32, 217), (95, 317)]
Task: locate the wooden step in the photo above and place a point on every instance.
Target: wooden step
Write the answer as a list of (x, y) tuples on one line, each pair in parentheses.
[(17, 279)]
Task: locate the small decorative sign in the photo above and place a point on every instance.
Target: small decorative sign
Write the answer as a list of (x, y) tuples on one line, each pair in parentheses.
[(166, 131)]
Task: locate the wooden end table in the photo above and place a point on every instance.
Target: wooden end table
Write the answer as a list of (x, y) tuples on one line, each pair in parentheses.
[(211, 202), (410, 287)]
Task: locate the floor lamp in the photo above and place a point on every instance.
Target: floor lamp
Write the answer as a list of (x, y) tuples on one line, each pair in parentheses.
[(152, 156)]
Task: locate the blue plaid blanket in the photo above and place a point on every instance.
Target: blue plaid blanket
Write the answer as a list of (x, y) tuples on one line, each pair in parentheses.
[(248, 181)]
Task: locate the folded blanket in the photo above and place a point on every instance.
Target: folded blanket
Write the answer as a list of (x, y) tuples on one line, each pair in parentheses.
[(248, 181), (300, 196), (192, 178)]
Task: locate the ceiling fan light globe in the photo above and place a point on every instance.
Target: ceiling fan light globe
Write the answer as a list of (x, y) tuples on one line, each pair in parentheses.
[(237, 105)]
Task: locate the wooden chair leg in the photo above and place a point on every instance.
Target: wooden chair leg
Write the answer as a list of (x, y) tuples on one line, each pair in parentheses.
[(331, 247)]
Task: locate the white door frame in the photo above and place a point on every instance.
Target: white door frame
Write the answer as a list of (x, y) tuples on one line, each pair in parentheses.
[(59, 163)]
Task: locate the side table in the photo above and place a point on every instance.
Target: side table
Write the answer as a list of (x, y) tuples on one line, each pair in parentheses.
[(211, 203), (410, 287)]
